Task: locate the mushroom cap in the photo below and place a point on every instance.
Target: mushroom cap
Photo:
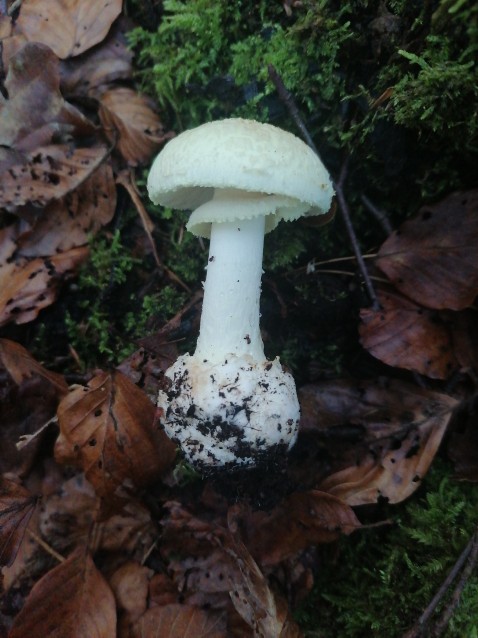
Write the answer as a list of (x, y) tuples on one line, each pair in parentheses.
[(281, 176)]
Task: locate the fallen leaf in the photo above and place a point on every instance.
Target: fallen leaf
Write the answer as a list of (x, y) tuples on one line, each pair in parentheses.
[(72, 221), (16, 508), (69, 27), (89, 74), (21, 365), (402, 428), (300, 520), (179, 621), (129, 584), (108, 426), (433, 258), (405, 335), (72, 600), (46, 173), (28, 285), (130, 122), (35, 110)]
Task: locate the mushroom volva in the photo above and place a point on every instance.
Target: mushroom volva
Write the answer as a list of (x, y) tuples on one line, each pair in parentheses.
[(227, 405)]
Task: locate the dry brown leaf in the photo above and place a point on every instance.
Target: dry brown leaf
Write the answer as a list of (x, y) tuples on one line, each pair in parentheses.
[(70, 222), (69, 27), (67, 519), (89, 75), (16, 508), (129, 584), (46, 173), (72, 600), (402, 428), (108, 427), (28, 285), (20, 365), (179, 621), (300, 520), (252, 597), (405, 335), (129, 120), (433, 258), (35, 110)]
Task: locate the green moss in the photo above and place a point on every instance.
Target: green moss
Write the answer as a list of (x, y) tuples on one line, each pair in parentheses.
[(383, 579)]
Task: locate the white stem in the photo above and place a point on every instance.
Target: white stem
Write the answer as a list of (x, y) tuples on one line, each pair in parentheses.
[(230, 312)]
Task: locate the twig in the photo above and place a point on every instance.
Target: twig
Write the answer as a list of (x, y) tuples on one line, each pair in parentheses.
[(470, 565), (418, 628), (289, 102), (379, 215), (45, 546)]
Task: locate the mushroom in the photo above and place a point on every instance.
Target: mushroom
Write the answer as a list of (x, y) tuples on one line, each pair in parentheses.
[(227, 405)]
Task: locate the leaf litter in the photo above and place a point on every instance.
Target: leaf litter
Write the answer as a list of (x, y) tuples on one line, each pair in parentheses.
[(137, 547)]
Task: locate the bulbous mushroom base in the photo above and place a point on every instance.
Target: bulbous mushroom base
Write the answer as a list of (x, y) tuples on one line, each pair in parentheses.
[(229, 415)]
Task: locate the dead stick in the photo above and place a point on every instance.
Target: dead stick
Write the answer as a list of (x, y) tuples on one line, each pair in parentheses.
[(45, 546), (470, 565), (417, 630), (289, 102), (379, 215)]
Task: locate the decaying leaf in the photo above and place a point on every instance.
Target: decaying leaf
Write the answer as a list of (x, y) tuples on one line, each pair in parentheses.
[(303, 518), (129, 120), (108, 427), (16, 508), (402, 428), (47, 173), (130, 585), (20, 365), (28, 285), (433, 258), (70, 222), (72, 600), (35, 110), (180, 621), (69, 27), (405, 335)]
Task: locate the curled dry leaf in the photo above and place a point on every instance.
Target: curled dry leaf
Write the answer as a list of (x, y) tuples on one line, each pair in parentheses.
[(16, 508), (70, 222), (129, 120), (402, 428), (433, 258), (303, 518), (180, 621), (20, 365), (72, 600), (28, 285), (405, 335), (46, 173), (130, 584), (108, 427), (69, 27), (89, 74), (35, 110)]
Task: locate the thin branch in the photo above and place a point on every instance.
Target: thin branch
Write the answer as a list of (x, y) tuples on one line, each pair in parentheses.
[(287, 98), (43, 544), (379, 215)]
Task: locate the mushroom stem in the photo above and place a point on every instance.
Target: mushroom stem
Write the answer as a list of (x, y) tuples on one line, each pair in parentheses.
[(230, 312)]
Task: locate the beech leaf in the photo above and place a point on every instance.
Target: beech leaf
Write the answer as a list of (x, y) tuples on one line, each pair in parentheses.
[(16, 508), (433, 258), (69, 27), (108, 427), (405, 335), (179, 621), (72, 600)]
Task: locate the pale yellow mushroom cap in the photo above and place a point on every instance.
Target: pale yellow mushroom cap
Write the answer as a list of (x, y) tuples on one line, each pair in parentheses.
[(281, 176)]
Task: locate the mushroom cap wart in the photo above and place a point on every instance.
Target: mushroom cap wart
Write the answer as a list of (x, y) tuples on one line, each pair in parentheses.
[(269, 171)]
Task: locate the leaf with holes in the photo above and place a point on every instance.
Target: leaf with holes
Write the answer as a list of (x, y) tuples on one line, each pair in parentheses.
[(47, 173), (16, 507), (129, 120), (108, 427), (405, 335), (28, 285), (401, 428), (433, 258), (69, 27), (72, 600)]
